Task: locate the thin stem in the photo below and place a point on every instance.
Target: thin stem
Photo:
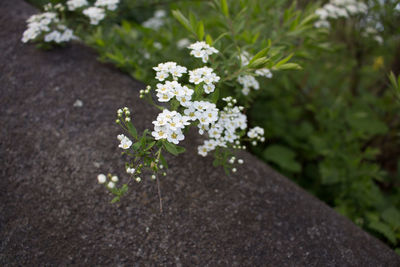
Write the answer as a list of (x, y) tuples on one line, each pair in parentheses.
[(159, 195)]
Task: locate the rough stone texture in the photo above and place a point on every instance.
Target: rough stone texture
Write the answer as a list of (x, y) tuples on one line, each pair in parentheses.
[(53, 212)]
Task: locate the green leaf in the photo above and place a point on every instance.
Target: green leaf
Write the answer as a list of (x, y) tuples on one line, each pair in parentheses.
[(209, 40), (215, 95), (200, 30), (115, 199), (258, 63), (309, 19), (283, 61), (395, 83), (384, 229), (136, 146), (149, 146), (171, 148), (163, 161), (124, 189), (330, 173), (132, 130), (193, 21), (288, 66), (366, 123), (221, 36), (260, 54), (224, 8), (180, 149), (392, 217), (282, 156), (182, 19)]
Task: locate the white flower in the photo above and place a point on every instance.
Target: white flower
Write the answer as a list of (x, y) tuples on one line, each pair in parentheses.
[(202, 150), (111, 185), (54, 36), (157, 45), (245, 91), (160, 132), (175, 136), (183, 43), (47, 25), (338, 8), (322, 24), (255, 132), (164, 69), (114, 179), (74, 4), (95, 14), (125, 141), (157, 21), (202, 50), (109, 4), (264, 72), (130, 170), (248, 81), (101, 178)]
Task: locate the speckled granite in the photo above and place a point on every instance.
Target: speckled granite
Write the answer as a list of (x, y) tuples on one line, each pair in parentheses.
[(53, 212)]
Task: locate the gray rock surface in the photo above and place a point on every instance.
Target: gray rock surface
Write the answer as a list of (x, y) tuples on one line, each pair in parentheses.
[(53, 212)]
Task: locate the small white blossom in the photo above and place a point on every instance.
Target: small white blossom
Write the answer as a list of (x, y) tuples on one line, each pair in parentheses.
[(109, 4), (95, 14), (130, 170), (114, 179), (202, 50), (111, 185), (183, 43), (125, 141), (101, 178), (75, 4), (157, 21)]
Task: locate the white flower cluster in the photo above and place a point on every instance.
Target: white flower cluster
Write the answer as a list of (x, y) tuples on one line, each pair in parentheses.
[(183, 43), (204, 112), (248, 81), (75, 4), (125, 141), (97, 12), (339, 9), (102, 179), (224, 130), (202, 50), (257, 134), (170, 89), (169, 125), (373, 33), (206, 75), (264, 72), (164, 69), (108, 4), (48, 26), (222, 126), (157, 21)]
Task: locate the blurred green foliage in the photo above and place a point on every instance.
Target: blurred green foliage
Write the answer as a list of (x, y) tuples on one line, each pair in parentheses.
[(333, 127)]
